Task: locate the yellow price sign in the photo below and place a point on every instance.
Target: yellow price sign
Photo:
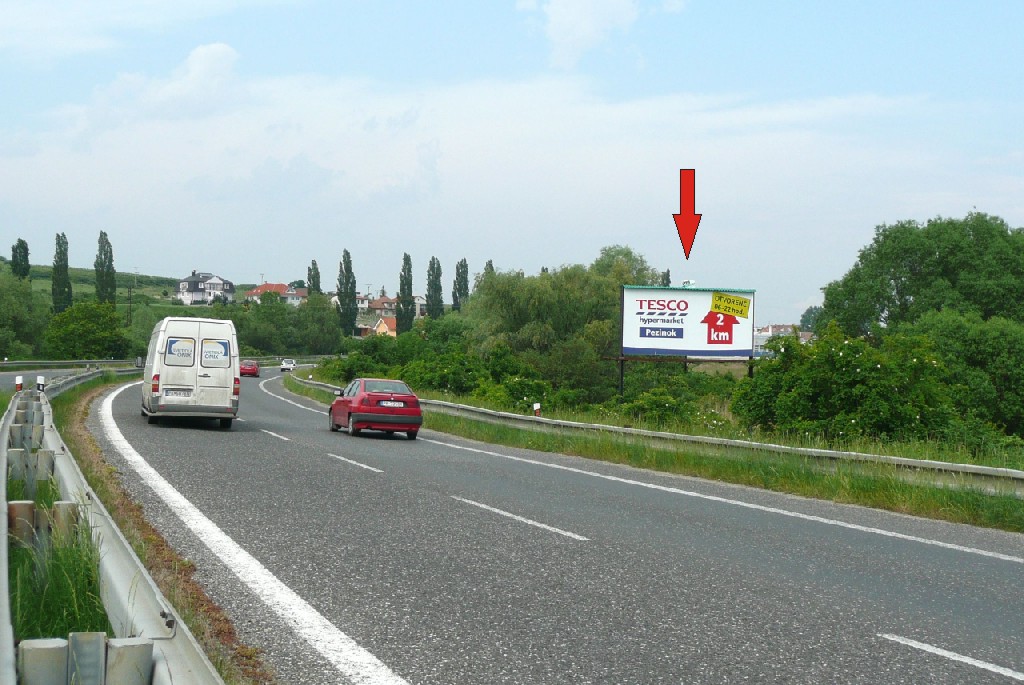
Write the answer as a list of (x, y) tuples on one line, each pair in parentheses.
[(723, 303)]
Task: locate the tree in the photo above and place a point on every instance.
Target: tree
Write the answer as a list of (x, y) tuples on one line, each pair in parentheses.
[(460, 288), (87, 330), (297, 284), (20, 266), (625, 266), (317, 326), (106, 284), (810, 318), (60, 284), (313, 278), (23, 317), (348, 309), (975, 264), (435, 298), (406, 309), (666, 279)]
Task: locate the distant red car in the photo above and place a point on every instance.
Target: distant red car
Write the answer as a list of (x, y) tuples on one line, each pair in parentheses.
[(249, 368), (376, 404)]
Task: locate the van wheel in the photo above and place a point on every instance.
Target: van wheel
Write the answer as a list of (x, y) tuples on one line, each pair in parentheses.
[(152, 419), (225, 424), (412, 434), (330, 423), (352, 430)]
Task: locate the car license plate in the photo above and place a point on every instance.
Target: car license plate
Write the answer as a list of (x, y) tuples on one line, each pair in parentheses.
[(178, 393), (391, 403)]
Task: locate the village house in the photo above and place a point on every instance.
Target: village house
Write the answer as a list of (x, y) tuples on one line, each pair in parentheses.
[(204, 288)]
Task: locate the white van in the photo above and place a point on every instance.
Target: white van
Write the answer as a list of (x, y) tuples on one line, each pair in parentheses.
[(192, 370)]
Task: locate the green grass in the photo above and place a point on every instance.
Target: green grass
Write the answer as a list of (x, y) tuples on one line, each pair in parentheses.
[(872, 485), (56, 590)]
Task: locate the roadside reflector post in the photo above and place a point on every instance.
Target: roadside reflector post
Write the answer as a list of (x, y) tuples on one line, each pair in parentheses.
[(19, 383), (536, 408), (40, 383)]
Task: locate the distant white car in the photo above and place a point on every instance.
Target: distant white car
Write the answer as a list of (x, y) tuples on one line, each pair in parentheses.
[(288, 365)]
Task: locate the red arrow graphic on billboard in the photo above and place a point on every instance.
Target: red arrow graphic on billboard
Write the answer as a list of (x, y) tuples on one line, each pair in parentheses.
[(687, 220)]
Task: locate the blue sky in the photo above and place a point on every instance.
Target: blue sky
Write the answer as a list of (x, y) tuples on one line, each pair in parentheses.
[(249, 138)]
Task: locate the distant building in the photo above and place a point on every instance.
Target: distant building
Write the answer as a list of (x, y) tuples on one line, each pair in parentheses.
[(204, 288), (765, 333), (287, 293)]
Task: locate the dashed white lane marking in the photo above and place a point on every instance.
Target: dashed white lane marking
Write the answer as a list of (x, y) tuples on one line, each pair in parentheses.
[(747, 505), (566, 533), (353, 661), (279, 437), (931, 649), (354, 463)]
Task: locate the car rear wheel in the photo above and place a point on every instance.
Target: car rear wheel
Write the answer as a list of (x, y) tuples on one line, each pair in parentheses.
[(330, 423), (352, 430), (412, 434)]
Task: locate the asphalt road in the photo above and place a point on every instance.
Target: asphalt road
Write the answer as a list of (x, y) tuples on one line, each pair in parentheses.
[(375, 559)]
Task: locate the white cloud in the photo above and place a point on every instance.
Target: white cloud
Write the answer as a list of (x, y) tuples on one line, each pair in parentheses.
[(182, 169), (48, 29), (574, 27)]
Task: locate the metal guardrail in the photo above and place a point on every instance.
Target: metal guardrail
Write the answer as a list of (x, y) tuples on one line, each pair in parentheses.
[(134, 604), (1010, 479)]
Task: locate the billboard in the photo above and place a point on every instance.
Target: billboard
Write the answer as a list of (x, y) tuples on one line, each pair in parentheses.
[(690, 322)]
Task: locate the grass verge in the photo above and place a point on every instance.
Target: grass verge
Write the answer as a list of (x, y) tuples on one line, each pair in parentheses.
[(872, 485), (237, 663)]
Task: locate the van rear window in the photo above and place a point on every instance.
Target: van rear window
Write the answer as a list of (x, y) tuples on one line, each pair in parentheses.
[(180, 352), (216, 353)]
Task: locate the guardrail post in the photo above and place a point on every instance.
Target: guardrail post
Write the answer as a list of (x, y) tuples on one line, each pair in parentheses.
[(17, 463), (129, 661), (87, 658), (65, 517), (21, 520), (43, 661)]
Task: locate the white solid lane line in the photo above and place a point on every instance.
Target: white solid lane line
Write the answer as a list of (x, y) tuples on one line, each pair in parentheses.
[(354, 463), (931, 649), (285, 399), (352, 660), (747, 505), (279, 437), (566, 533)]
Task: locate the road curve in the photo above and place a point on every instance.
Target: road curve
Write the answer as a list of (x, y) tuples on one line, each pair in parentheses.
[(442, 560)]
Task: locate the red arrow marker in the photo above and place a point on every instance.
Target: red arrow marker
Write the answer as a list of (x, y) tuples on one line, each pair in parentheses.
[(687, 220)]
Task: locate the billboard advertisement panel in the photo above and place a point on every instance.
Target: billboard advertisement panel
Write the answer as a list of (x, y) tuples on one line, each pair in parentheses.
[(691, 322)]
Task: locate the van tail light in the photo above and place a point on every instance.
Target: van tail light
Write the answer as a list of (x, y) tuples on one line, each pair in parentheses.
[(237, 387), (155, 389)]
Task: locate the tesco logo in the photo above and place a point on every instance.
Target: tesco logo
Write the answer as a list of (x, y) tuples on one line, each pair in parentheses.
[(663, 305)]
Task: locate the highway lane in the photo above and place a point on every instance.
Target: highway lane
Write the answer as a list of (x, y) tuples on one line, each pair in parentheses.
[(454, 562)]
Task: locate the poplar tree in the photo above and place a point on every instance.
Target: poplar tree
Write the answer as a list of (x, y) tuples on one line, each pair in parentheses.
[(106, 283), (60, 284), (348, 309), (460, 288), (405, 312), (19, 259), (435, 296), (313, 279)]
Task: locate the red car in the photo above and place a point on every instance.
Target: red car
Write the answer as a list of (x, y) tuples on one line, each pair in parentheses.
[(376, 404), (249, 368)]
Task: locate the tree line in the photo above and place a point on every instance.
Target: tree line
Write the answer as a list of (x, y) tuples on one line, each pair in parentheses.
[(921, 339)]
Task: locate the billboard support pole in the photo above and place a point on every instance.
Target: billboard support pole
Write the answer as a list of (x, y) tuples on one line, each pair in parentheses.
[(622, 345)]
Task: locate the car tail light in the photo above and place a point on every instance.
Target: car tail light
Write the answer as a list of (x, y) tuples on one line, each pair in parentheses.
[(365, 401), (412, 403), (155, 389), (237, 387)]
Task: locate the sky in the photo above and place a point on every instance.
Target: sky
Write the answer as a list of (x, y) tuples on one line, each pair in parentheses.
[(247, 138)]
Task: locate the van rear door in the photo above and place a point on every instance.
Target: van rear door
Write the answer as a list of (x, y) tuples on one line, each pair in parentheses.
[(216, 377)]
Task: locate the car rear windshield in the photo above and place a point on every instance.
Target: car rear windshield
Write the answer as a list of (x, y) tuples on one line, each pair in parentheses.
[(388, 386)]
